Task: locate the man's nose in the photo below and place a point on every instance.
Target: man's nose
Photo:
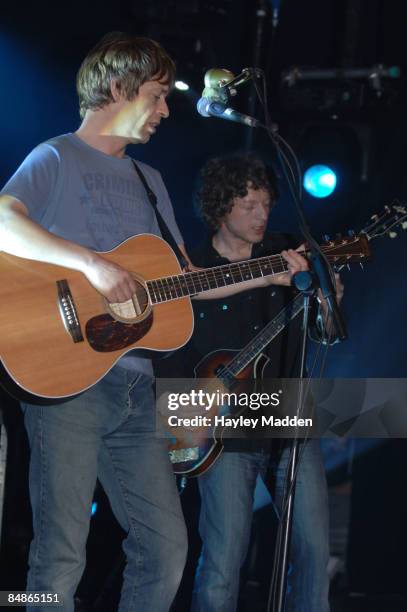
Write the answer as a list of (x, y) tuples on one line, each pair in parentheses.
[(261, 213), (163, 109)]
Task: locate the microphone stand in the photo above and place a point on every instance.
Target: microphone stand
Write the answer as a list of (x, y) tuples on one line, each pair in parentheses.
[(319, 267), (303, 281), (323, 279)]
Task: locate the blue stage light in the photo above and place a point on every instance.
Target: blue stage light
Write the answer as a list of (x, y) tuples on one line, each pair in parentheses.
[(319, 181), (94, 508)]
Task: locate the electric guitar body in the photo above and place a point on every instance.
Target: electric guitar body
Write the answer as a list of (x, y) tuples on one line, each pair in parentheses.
[(194, 451)]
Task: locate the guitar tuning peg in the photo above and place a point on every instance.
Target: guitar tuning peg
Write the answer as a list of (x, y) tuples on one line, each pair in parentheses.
[(362, 266), (392, 234), (374, 217), (404, 225)]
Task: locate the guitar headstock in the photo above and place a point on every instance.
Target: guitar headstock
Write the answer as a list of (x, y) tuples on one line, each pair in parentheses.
[(350, 249), (393, 216), (355, 248)]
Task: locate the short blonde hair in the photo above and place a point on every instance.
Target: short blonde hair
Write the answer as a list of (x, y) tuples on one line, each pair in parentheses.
[(130, 60)]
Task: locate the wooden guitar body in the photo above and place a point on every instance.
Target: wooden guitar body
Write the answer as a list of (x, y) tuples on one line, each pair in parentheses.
[(37, 349), (195, 451), (210, 365)]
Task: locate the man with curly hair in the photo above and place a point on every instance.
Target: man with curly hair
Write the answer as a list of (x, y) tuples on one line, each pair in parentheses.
[(235, 197)]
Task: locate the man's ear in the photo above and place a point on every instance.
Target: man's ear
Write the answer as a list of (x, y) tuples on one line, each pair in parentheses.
[(115, 90)]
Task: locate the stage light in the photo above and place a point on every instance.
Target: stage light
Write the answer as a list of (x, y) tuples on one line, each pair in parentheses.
[(319, 181), (181, 86), (94, 508)]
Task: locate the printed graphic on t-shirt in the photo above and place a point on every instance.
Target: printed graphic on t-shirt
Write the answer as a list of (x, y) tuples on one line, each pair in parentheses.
[(113, 205)]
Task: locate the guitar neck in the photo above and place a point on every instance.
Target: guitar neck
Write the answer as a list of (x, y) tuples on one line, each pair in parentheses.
[(264, 337), (190, 283), (342, 251)]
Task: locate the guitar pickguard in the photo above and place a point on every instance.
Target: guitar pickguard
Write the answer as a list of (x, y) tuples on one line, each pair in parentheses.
[(105, 334)]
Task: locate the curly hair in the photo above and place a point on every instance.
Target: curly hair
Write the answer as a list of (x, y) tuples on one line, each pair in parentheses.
[(131, 60), (223, 179)]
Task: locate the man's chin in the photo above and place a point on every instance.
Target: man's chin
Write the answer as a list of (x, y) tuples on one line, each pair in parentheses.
[(257, 238), (141, 139)]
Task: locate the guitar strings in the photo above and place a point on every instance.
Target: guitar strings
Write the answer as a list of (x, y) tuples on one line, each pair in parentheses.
[(174, 287), (259, 338)]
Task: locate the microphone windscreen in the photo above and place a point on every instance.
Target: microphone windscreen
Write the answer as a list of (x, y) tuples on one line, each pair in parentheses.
[(202, 107)]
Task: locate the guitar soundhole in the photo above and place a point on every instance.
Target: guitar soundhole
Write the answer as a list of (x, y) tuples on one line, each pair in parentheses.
[(134, 310)]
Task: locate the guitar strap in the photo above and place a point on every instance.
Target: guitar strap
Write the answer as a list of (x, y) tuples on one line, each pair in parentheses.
[(165, 232)]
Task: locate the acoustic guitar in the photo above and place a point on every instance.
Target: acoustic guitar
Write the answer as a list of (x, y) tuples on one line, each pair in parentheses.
[(59, 336)]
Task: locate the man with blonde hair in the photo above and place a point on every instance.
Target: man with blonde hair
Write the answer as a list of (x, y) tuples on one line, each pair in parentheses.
[(74, 196)]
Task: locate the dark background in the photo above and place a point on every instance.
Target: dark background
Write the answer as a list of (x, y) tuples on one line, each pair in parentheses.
[(359, 129)]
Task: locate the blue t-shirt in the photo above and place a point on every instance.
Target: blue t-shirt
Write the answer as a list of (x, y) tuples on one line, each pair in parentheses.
[(91, 198)]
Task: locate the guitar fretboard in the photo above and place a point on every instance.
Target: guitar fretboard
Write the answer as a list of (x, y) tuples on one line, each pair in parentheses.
[(169, 288), (181, 285), (263, 338)]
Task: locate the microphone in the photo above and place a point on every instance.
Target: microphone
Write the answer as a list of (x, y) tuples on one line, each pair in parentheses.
[(208, 107), (221, 83), (215, 81)]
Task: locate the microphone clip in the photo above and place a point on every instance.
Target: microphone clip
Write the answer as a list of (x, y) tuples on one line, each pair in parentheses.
[(221, 84), (244, 77)]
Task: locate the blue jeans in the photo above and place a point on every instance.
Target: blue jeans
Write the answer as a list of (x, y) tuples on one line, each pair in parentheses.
[(227, 492), (108, 432)]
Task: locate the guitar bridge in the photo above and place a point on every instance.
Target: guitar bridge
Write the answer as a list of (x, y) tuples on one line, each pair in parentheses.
[(68, 312)]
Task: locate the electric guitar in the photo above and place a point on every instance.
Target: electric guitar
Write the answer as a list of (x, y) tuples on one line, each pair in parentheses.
[(192, 451)]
